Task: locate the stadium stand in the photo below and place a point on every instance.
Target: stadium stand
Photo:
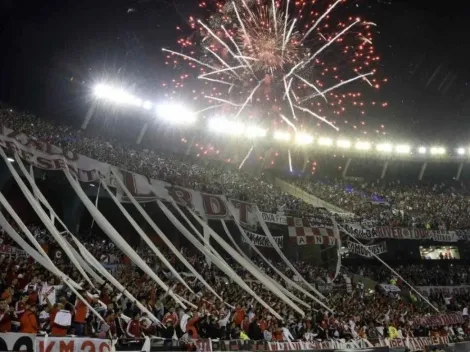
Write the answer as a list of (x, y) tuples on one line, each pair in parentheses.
[(34, 301)]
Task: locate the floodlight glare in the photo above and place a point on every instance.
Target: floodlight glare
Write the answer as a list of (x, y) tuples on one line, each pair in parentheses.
[(422, 150), (303, 138), (255, 132), (175, 114), (102, 91), (437, 151), (116, 95), (224, 126), (282, 136), (403, 149), (325, 141), (461, 151), (363, 145), (343, 144), (384, 147), (147, 105)]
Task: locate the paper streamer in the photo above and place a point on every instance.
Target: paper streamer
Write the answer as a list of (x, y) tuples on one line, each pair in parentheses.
[(146, 239), (219, 263), (252, 269), (111, 232), (42, 214), (279, 251), (160, 233)]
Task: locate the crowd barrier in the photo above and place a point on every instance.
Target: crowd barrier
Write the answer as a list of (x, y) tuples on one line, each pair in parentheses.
[(32, 343)]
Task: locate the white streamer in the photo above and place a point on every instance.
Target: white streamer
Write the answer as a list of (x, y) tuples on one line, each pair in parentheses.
[(252, 269), (41, 213), (219, 263), (111, 232), (279, 251), (165, 239), (274, 282), (147, 240)]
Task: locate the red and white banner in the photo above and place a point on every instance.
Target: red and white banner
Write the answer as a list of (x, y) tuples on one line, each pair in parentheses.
[(438, 320), (444, 290), (301, 233), (70, 344)]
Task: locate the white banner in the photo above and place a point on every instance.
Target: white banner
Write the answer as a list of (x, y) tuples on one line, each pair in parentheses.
[(390, 288), (12, 341), (8, 251), (263, 241), (445, 290), (70, 344), (274, 218), (400, 233), (360, 250)]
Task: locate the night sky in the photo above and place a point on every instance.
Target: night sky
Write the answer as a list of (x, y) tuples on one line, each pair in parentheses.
[(53, 51)]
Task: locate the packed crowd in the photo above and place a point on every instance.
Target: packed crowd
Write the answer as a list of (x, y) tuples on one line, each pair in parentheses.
[(33, 300), (437, 206)]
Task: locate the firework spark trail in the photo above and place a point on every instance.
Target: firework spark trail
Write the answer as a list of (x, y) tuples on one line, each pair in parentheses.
[(331, 41), (288, 122), (289, 33), (217, 38), (320, 19), (311, 85), (290, 160), (190, 58), (287, 87), (240, 55), (248, 10), (241, 22), (338, 85), (293, 69), (223, 62), (221, 70), (248, 99), (222, 100), (317, 116), (286, 17), (208, 108), (216, 80), (246, 157), (274, 16)]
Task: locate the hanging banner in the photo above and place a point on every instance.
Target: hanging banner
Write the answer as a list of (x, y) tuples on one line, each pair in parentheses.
[(443, 290), (274, 218), (400, 233), (10, 251), (439, 320), (262, 241), (17, 342), (360, 250), (301, 233), (72, 344)]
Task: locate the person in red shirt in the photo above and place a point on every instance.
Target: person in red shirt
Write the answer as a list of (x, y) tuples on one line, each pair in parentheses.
[(29, 321), (33, 296), (62, 321), (5, 322), (81, 313), (133, 327), (171, 318)]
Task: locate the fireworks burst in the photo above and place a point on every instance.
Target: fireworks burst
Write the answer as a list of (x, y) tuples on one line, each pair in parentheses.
[(279, 62)]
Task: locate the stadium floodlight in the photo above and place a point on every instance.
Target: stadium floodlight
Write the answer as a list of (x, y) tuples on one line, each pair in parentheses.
[(437, 151), (282, 136), (460, 151), (422, 150), (342, 143), (252, 131), (147, 105), (384, 147), (325, 141), (225, 126), (116, 95), (362, 145), (303, 138), (175, 113), (403, 149)]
